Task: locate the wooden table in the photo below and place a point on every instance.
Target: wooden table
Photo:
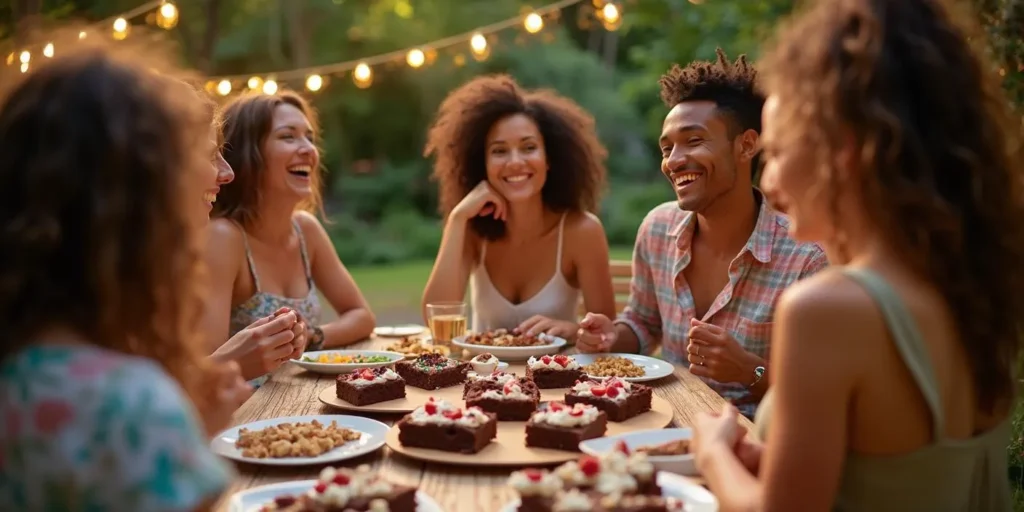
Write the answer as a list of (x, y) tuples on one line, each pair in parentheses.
[(293, 392)]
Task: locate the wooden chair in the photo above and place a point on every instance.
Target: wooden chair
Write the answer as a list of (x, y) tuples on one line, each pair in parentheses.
[(622, 274)]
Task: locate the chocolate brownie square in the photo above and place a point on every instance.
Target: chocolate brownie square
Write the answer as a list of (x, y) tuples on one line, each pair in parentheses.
[(348, 490), (561, 427), (436, 426), (432, 371), (620, 399), (595, 501), (370, 386), (515, 401), (552, 372), (495, 380)]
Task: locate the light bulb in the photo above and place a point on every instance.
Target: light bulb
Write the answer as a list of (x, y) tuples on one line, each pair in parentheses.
[(48, 51), (314, 82), (255, 83), (610, 13), (478, 43), (362, 76), (120, 28), (533, 23), (415, 58), (25, 57), (224, 88), (270, 87)]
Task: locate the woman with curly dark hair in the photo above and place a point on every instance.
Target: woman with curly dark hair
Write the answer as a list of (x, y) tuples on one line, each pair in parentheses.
[(894, 377), (104, 159), (267, 250), (520, 173)]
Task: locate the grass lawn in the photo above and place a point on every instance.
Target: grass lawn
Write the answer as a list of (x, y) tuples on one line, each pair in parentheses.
[(400, 286)]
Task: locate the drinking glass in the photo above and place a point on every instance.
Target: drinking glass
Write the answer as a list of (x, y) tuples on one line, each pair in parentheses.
[(447, 321)]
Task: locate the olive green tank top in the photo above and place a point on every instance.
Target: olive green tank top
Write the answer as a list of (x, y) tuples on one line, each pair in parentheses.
[(967, 475)]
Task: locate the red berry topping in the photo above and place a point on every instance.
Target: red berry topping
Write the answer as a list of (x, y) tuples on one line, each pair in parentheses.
[(615, 383), (562, 360), (430, 407), (341, 479), (598, 390), (555, 406), (546, 359), (320, 487), (576, 412), (589, 466), (613, 392), (284, 501), (622, 447), (368, 374), (452, 414), (534, 475)]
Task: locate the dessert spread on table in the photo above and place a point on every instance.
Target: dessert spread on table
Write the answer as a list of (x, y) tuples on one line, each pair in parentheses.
[(348, 490), (552, 372), (439, 425), (370, 385)]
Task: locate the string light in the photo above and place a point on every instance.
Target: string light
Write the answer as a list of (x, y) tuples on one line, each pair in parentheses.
[(120, 29), (81, 35), (48, 51), (533, 23), (415, 57), (10, 58), (314, 83), (224, 88), (24, 67), (270, 87), (255, 83), (362, 76), (25, 57), (478, 44), (610, 16), (167, 16)]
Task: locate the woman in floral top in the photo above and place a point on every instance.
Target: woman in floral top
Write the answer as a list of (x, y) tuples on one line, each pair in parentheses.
[(103, 166)]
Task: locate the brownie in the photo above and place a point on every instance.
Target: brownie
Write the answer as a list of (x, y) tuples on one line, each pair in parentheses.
[(347, 490), (432, 371), (370, 386), (552, 372), (515, 401), (593, 481), (607, 396), (560, 427), (434, 426), (599, 502), (495, 380)]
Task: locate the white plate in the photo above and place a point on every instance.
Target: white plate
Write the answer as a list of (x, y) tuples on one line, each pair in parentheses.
[(681, 464), (654, 368), (336, 368), (373, 434), (513, 353), (252, 499), (399, 331), (695, 497)]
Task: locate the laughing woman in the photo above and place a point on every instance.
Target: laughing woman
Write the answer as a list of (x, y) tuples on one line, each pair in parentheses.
[(267, 251), (520, 174)]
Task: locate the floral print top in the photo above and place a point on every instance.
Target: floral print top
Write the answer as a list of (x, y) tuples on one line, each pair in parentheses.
[(88, 429)]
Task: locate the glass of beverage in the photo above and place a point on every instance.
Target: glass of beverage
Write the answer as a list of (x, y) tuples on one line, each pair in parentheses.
[(447, 321)]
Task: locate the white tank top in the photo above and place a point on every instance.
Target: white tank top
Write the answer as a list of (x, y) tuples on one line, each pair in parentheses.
[(491, 310)]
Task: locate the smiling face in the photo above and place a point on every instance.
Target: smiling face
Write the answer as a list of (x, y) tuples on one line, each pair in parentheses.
[(517, 164), (697, 155), (220, 172), (289, 154)]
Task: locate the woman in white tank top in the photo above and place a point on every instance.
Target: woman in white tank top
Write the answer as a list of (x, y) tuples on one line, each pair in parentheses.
[(520, 173)]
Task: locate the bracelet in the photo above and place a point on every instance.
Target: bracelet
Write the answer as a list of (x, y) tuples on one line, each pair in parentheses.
[(758, 375), (316, 341)]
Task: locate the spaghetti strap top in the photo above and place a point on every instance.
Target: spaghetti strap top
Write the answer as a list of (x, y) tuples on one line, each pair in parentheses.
[(966, 475), (491, 310), (262, 304)]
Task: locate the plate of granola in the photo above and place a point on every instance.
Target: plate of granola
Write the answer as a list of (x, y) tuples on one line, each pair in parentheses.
[(414, 346), (506, 345), (301, 440), (628, 367)]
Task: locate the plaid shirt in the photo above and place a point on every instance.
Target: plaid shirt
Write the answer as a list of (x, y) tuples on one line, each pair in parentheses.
[(660, 303)]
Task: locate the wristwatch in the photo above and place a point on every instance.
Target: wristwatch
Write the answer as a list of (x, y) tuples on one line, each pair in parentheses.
[(758, 375), (316, 339)]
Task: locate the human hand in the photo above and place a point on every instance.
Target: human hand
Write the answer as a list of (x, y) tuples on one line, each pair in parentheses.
[(262, 346), (482, 201), (596, 334), (230, 392), (538, 324), (300, 331), (713, 353), (714, 434)]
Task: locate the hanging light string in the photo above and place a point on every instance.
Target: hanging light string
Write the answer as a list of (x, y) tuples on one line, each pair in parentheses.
[(608, 12), (119, 25)]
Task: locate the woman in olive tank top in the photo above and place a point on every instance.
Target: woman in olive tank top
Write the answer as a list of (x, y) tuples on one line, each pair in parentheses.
[(885, 140)]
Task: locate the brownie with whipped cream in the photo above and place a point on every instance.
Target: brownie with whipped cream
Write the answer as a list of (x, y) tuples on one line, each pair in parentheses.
[(620, 399), (439, 425), (514, 401), (552, 372), (564, 427), (370, 386), (348, 490), (476, 381), (432, 371)]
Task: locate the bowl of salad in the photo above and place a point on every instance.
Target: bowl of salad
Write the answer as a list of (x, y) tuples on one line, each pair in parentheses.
[(333, 362)]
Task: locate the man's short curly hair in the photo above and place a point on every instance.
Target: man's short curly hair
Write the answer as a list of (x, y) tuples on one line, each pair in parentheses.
[(731, 85), (458, 139)]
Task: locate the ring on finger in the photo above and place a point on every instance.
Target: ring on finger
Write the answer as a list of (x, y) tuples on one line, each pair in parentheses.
[(696, 350), (702, 359)]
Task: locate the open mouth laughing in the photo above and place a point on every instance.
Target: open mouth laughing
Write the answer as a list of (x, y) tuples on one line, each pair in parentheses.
[(300, 171)]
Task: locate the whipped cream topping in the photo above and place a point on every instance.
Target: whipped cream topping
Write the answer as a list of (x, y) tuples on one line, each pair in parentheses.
[(535, 482), (498, 377), (558, 362), (612, 472), (336, 487), (368, 376), (485, 358), (442, 412), (561, 415), (572, 501), (613, 388), (510, 391)]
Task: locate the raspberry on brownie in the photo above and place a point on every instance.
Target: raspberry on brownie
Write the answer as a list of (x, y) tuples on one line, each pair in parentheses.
[(370, 386), (563, 427), (515, 401), (550, 372), (344, 490), (621, 399), (439, 425), (476, 381), (432, 371)]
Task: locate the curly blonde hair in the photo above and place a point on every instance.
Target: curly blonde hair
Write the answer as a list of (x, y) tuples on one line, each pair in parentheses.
[(99, 144), (939, 159)]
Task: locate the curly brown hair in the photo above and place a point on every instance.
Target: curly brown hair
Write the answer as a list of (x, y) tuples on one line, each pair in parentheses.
[(732, 86), (246, 124), (99, 144), (457, 140), (941, 171)]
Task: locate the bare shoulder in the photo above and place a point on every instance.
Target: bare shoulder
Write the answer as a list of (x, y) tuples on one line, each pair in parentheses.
[(584, 230), (225, 234), (828, 306), (308, 223)]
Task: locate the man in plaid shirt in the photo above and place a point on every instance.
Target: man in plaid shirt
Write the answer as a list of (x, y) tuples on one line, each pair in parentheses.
[(709, 267)]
